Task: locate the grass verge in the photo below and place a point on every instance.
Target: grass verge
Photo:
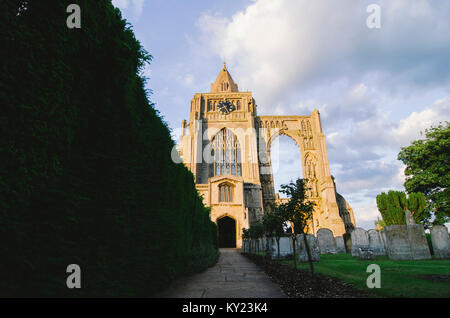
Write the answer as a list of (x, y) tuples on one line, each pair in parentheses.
[(417, 279)]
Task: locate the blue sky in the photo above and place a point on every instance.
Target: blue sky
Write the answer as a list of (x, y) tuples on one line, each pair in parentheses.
[(376, 89)]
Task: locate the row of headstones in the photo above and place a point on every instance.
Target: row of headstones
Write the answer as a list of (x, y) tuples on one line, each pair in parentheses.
[(399, 242), (269, 246)]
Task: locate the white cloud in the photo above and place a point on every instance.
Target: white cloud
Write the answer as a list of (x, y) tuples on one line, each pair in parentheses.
[(121, 4), (136, 6), (277, 45), (186, 79), (409, 128)]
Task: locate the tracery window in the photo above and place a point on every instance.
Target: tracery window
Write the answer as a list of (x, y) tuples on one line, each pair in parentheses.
[(225, 192), (227, 154)]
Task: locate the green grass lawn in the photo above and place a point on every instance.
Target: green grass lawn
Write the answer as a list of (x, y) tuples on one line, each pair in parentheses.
[(398, 278)]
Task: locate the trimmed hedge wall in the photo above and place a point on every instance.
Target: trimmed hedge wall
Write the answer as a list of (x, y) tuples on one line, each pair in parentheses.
[(86, 174)]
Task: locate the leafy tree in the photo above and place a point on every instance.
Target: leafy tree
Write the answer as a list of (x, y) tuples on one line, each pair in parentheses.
[(298, 211), (428, 170), (394, 204), (273, 223)]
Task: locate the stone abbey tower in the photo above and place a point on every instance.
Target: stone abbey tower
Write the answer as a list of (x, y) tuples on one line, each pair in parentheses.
[(226, 145)]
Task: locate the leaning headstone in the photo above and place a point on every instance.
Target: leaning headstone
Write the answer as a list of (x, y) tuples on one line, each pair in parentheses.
[(397, 242), (440, 241), (327, 243), (340, 244), (418, 242), (300, 248), (360, 239), (407, 242), (376, 242), (366, 254)]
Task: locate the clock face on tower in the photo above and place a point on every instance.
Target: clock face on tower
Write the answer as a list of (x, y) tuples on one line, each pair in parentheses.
[(225, 107)]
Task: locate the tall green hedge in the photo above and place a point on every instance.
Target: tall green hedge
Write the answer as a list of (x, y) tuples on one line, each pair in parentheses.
[(86, 175)]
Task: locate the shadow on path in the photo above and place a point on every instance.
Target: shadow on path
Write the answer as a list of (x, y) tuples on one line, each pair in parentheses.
[(234, 276)]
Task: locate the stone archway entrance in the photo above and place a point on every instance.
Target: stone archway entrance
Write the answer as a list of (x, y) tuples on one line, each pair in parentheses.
[(227, 232)]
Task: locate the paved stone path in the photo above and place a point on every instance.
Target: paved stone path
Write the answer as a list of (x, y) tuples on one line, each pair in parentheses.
[(234, 276)]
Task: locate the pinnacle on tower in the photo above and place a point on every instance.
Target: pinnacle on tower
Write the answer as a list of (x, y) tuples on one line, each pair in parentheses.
[(224, 82)]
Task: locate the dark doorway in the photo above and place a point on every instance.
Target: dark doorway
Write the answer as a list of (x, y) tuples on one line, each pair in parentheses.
[(227, 232)]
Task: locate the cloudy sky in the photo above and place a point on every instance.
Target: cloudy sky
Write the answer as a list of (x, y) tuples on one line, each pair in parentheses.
[(375, 88)]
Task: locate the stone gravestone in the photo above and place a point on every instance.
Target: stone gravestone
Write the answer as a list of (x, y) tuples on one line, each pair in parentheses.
[(360, 239), (327, 243), (244, 246), (397, 242), (271, 247), (262, 244), (418, 242), (440, 241), (285, 248), (340, 244), (300, 248), (384, 239), (376, 243), (406, 242)]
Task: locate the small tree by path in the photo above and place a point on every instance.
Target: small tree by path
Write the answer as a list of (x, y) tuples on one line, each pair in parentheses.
[(256, 232), (298, 210), (273, 226)]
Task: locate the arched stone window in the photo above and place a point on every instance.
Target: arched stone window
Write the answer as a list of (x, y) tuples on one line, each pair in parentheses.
[(225, 192), (238, 105), (227, 154), (225, 86)]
